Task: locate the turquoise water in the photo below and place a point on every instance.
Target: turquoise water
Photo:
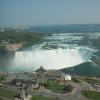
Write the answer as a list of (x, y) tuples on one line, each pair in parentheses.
[(56, 52)]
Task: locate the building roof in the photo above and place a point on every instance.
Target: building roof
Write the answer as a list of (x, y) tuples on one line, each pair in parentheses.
[(54, 73), (42, 80), (67, 77), (40, 70), (24, 77)]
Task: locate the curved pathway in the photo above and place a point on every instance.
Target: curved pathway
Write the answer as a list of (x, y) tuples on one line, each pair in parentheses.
[(75, 95)]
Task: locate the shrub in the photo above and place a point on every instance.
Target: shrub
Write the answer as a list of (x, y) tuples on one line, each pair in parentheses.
[(67, 88)]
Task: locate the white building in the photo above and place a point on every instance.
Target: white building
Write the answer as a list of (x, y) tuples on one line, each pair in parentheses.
[(67, 77)]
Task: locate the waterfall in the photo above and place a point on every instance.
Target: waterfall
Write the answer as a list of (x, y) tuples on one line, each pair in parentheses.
[(49, 59)]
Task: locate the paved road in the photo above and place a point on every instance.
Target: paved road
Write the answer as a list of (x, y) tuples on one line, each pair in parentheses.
[(61, 97), (75, 95)]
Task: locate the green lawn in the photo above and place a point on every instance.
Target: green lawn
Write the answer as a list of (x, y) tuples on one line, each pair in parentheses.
[(76, 80), (53, 86), (92, 81), (91, 95), (2, 78), (42, 98), (7, 93)]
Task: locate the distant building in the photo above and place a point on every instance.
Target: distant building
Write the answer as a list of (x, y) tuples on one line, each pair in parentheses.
[(94, 87), (24, 79), (53, 74), (1, 30), (57, 75), (40, 70), (40, 77), (67, 77)]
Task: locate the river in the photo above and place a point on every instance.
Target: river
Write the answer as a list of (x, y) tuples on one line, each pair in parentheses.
[(56, 52)]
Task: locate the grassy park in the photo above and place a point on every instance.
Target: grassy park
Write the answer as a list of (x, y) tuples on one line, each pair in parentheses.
[(55, 87), (91, 95), (7, 94), (90, 80), (42, 98)]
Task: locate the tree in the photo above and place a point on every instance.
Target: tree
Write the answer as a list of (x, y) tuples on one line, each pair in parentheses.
[(67, 88)]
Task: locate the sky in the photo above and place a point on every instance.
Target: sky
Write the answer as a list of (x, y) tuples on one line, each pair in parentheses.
[(48, 12)]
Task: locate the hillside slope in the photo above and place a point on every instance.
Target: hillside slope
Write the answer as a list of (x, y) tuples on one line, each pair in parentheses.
[(84, 69)]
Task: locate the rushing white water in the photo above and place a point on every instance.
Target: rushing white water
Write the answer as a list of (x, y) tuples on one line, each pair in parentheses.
[(65, 50), (49, 59)]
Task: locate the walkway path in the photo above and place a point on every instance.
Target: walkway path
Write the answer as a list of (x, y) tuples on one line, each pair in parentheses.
[(75, 95)]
